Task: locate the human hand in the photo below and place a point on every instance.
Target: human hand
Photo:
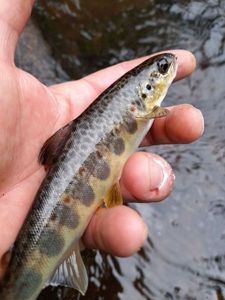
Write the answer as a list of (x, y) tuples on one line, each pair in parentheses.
[(31, 112)]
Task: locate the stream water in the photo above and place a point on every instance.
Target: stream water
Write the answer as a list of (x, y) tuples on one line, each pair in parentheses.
[(184, 256)]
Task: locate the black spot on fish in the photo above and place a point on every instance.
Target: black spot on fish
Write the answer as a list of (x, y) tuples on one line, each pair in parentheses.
[(67, 216), (117, 146), (101, 110), (32, 222), (82, 191), (51, 243), (53, 217), (39, 203), (31, 234), (69, 144), (28, 281), (84, 125), (148, 87), (130, 124)]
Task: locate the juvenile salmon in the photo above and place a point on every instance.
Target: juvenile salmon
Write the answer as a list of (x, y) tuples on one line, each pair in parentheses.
[(83, 174)]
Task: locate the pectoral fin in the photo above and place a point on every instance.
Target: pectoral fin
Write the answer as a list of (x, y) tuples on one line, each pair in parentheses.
[(71, 273), (5, 260), (114, 196), (52, 147), (157, 112)]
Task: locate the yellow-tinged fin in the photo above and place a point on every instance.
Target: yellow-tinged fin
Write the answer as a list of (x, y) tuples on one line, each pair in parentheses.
[(157, 112), (114, 196), (71, 273), (52, 147)]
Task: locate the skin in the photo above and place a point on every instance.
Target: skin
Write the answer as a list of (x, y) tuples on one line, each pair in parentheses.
[(31, 112)]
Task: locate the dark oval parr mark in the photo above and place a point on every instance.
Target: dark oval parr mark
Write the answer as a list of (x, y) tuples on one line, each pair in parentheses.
[(28, 281), (83, 192), (51, 243), (130, 124), (117, 146), (97, 166)]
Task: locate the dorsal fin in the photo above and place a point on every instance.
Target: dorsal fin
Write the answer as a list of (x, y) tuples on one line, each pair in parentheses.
[(52, 147), (71, 273)]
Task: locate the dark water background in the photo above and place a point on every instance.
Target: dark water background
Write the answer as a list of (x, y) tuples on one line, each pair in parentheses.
[(184, 256)]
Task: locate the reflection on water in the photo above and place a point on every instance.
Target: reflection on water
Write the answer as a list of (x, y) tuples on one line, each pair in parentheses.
[(184, 258)]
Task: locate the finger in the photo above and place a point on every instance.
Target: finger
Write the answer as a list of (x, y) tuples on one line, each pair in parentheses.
[(119, 231), (184, 124), (146, 177), (75, 96), (13, 17)]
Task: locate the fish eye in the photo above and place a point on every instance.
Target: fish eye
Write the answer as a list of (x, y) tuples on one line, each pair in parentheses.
[(163, 65), (144, 96)]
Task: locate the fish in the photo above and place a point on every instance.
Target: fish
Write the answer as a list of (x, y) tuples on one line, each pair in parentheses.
[(84, 159)]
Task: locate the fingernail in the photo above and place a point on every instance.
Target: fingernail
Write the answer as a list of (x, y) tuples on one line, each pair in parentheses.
[(160, 173)]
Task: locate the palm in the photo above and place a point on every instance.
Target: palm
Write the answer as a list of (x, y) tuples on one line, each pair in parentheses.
[(29, 114)]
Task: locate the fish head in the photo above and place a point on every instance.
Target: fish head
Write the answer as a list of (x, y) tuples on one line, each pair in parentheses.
[(159, 73)]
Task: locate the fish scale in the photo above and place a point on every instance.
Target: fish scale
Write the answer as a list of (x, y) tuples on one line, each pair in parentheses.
[(87, 162)]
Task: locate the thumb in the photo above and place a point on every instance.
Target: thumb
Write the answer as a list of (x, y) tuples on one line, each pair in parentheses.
[(13, 17)]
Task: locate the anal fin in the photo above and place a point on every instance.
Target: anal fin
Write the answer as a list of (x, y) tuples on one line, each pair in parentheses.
[(71, 273), (114, 196)]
